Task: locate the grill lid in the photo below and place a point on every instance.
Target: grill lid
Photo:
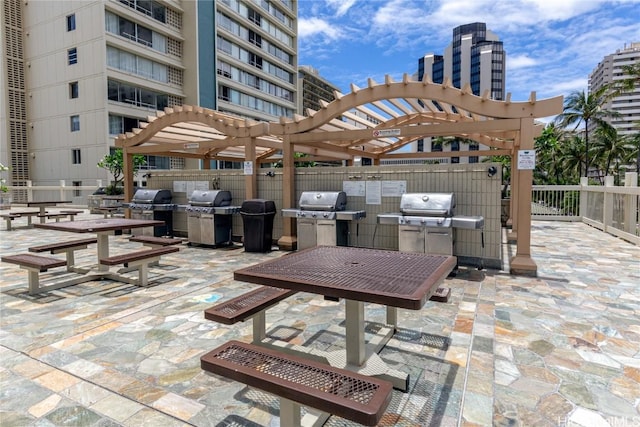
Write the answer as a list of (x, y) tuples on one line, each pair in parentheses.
[(323, 200), (211, 198), (428, 204), (156, 197)]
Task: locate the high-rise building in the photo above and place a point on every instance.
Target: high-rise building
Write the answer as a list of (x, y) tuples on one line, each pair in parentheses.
[(476, 57), (312, 88), (80, 73), (627, 105)]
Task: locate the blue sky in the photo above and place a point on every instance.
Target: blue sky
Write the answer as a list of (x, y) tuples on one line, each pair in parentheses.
[(551, 45)]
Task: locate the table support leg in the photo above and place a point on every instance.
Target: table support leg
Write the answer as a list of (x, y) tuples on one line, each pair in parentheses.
[(259, 327), (103, 250), (392, 317), (289, 412), (355, 332), (42, 212)]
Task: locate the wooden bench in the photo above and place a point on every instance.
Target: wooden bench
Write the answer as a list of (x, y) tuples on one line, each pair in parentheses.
[(252, 304), (10, 216), (72, 213), (67, 247), (107, 211), (34, 264), (153, 242), (156, 242), (58, 215), (140, 260), (298, 381)]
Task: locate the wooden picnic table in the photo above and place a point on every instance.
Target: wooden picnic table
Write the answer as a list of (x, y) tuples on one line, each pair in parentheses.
[(43, 204), (359, 275), (103, 228)]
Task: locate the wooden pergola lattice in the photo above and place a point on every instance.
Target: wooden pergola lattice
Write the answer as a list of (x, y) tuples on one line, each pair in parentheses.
[(372, 122)]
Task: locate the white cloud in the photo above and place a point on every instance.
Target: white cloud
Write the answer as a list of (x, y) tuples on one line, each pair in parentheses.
[(400, 16), (522, 61), (316, 26), (341, 6)]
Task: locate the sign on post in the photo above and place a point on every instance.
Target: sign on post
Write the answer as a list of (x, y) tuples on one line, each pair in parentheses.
[(526, 159)]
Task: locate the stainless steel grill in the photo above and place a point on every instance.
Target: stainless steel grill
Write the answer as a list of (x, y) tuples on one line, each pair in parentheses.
[(209, 217), (152, 204), (426, 223), (322, 219)]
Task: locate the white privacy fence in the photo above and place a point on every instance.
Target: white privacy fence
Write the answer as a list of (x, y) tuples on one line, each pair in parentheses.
[(612, 209)]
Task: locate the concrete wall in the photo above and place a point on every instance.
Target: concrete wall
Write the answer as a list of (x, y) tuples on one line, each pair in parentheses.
[(476, 194)]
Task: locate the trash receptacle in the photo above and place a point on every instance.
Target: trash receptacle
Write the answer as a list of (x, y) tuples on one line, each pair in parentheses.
[(257, 218)]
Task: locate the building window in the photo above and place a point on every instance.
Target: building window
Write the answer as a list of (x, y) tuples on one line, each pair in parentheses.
[(75, 123), (254, 17), (76, 158), (72, 56), (73, 90), (76, 188), (71, 22)]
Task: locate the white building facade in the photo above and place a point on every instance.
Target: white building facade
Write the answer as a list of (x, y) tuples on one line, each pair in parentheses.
[(79, 73), (627, 104)]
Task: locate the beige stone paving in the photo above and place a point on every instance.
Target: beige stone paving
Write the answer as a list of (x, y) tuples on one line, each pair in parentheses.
[(559, 349)]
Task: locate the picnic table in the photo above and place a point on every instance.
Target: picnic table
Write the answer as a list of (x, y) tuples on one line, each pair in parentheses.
[(103, 229), (359, 275), (43, 204)]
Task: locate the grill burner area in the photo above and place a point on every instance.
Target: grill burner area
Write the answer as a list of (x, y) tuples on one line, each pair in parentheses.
[(322, 218), (209, 217), (426, 222), (152, 204)]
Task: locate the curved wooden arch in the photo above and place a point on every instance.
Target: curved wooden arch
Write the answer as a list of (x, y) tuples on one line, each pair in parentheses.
[(441, 93), (223, 124)]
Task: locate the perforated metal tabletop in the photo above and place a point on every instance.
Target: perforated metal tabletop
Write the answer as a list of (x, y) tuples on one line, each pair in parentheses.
[(392, 278)]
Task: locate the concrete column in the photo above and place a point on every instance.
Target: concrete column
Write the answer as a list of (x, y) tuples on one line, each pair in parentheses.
[(607, 209), (584, 196), (29, 190), (63, 184), (630, 180)]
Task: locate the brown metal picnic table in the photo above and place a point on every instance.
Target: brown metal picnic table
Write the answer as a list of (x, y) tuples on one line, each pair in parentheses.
[(359, 275)]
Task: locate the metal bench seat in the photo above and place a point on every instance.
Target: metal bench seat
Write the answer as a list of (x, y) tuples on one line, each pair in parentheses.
[(298, 381), (248, 305), (140, 260)]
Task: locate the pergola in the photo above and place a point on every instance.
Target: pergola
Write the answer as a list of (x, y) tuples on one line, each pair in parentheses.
[(368, 122)]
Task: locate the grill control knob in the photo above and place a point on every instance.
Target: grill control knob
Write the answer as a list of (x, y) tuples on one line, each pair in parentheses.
[(326, 215)]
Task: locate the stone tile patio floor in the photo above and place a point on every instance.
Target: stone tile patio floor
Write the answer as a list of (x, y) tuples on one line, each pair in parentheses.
[(561, 349)]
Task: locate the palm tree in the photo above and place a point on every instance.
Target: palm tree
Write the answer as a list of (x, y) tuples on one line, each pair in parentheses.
[(572, 156), (549, 149), (587, 108), (611, 149)]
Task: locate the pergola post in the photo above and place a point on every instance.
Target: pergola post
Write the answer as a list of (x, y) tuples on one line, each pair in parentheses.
[(289, 240), (522, 263), (512, 235), (127, 170), (251, 181)]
